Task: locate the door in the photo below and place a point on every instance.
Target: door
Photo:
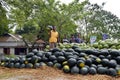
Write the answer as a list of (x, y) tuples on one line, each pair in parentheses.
[(6, 51)]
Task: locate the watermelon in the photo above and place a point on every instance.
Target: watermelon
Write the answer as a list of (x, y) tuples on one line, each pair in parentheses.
[(22, 65), (74, 70), (58, 65), (66, 68), (101, 56), (50, 63), (29, 55), (55, 50), (61, 59), (12, 60), (92, 71), (105, 62), (34, 59), (57, 54), (88, 62), (80, 63), (115, 53), (44, 59), (104, 52), (118, 70), (48, 54), (94, 66), (17, 65), (109, 57), (11, 65), (69, 50), (74, 47), (102, 70), (36, 65), (17, 59), (112, 64), (77, 50), (112, 72), (29, 65), (42, 64), (82, 54), (39, 54), (118, 60), (35, 51), (52, 58), (22, 60), (72, 62), (66, 54), (6, 64), (84, 71)]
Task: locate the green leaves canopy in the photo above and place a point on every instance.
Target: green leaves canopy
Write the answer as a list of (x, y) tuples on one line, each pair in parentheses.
[(33, 16), (3, 21), (41, 13)]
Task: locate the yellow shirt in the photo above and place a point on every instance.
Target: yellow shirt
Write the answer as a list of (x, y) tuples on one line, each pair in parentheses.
[(53, 37)]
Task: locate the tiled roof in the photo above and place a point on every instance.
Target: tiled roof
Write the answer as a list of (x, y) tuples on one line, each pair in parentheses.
[(2, 39), (10, 37), (40, 41)]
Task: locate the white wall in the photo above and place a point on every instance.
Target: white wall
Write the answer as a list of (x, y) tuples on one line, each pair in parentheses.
[(12, 51), (9, 44), (1, 50)]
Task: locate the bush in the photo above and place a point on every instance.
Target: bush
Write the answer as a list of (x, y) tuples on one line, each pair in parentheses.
[(11, 56)]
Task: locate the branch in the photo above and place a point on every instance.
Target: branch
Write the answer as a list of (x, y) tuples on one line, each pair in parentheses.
[(25, 42)]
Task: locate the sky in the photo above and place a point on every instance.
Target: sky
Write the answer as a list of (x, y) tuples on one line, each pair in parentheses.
[(111, 5)]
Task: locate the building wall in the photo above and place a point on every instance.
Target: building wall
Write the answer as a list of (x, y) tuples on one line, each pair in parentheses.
[(1, 50), (12, 51), (1, 53), (9, 44)]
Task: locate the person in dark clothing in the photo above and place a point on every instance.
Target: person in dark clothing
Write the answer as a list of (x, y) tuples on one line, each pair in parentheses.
[(65, 40), (72, 39), (78, 40)]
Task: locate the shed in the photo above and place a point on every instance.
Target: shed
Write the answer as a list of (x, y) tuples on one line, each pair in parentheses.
[(12, 44)]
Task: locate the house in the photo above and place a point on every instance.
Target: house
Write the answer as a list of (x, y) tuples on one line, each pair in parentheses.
[(40, 44), (12, 44)]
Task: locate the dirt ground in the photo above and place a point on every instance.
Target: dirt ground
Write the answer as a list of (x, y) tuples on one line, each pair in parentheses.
[(47, 73)]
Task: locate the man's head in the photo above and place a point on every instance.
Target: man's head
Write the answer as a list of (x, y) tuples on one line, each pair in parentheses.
[(54, 28)]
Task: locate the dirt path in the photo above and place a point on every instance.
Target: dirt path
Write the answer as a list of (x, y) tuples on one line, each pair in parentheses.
[(46, 73)]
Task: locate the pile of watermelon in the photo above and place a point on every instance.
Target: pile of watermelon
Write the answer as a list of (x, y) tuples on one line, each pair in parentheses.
[(69, 45), (101, 44), (108, 44), (73, 60)]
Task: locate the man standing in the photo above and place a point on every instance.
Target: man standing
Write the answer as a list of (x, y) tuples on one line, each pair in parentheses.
[(72, 39), (65, 40), (53, 38)]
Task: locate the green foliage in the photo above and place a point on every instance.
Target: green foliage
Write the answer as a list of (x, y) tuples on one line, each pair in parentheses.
[(27, 28), (3, 21), (34, 16), (41, 13), (98, 21), (29, 37), (11, 56)]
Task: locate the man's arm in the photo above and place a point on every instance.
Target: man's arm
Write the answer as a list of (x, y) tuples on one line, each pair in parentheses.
[(58, 38)]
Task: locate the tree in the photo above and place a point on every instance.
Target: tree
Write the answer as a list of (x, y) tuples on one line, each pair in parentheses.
[(3, 21), (99, 22), (42, 13)]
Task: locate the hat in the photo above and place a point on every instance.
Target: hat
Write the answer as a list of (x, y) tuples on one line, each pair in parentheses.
[(50, 27)]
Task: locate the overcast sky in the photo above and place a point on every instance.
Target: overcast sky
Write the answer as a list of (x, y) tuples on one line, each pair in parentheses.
[(111, 5)]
